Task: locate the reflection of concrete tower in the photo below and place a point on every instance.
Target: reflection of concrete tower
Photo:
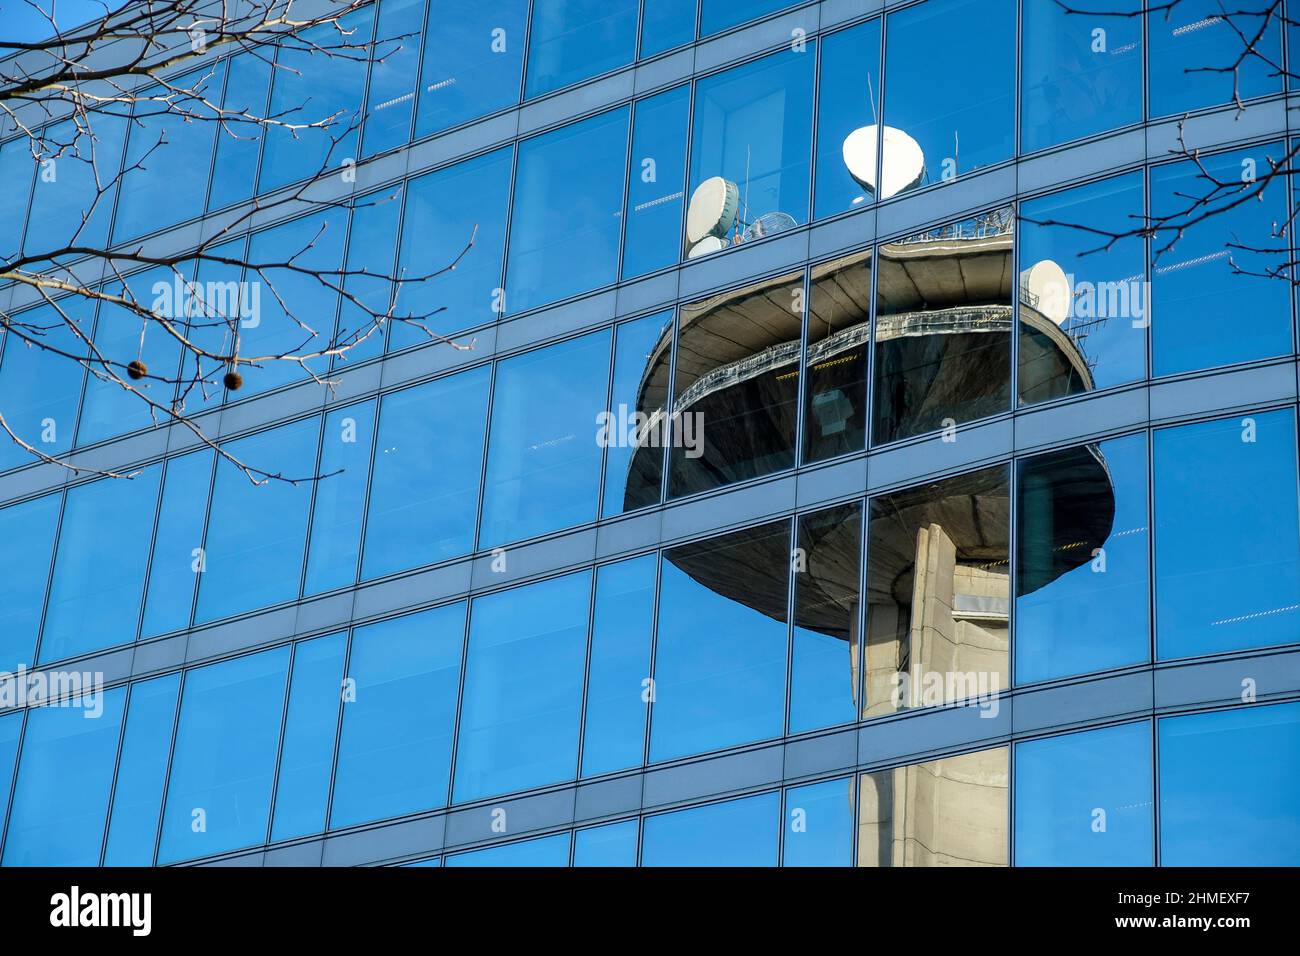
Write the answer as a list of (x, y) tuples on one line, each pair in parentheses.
[(938, 593), (943, 301), (947, 812)]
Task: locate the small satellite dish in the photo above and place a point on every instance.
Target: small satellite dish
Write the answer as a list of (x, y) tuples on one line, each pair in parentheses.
[(707, 245), (768, 224), (1049, 289), (903, 167), (712, 210)]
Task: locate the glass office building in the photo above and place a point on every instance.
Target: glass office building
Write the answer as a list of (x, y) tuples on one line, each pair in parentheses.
[(804, 496)]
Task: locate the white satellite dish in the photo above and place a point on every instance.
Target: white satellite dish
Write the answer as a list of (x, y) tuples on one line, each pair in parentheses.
[(712, 210), (768, 224), (707, 245), (903, 167), (1049, 289)]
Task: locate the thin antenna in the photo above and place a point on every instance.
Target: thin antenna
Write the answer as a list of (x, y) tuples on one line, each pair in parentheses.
[(871, 95)]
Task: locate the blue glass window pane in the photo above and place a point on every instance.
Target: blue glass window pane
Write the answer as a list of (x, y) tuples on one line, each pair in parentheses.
[(444, 211), (819, 824), (522, 702), (568, 197), (544, 459), (753, 127), (15, 169), (317, 86), (547, 851), (719, 15), (1229, 786), (280, 298), (1080, 75), (666, 24), (364, 307), (473, 54), (219, 792), (168, 157), (31, 22), (735, 833), (973, 123), (174, 561), (66, 206), (1194, 47), (656, 179), (253, 553), (824, 659), (141, 772), (571, 40), (633, 476), (1082, 590), (720, 663), (428, 459), (1227, 569), (223, 303), (1085, 799), (60, 799), (28, 530), (11, 727), (340, 499), (123, 336), (248, 80), (98, 582), (310, 726), (1196, 283), (612, 845), (1102, 305), (395, 751), (620, 666), (396, 57), (39, 388), (848, 100)]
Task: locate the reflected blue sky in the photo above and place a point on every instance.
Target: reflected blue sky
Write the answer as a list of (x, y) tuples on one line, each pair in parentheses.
[(522, 701), (1198, 281), (1094, 616), (734, 833), (1080, 73), (719, 665), (819, 824), (953, 97), (1086, 799), (223, 762), (545, 851), (1227, 570), (621, 633), (142, 772), (1229, 788), (60, 796), (612, 845), (564, 234), (544, 460), (1193, 36), (395, 746)]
